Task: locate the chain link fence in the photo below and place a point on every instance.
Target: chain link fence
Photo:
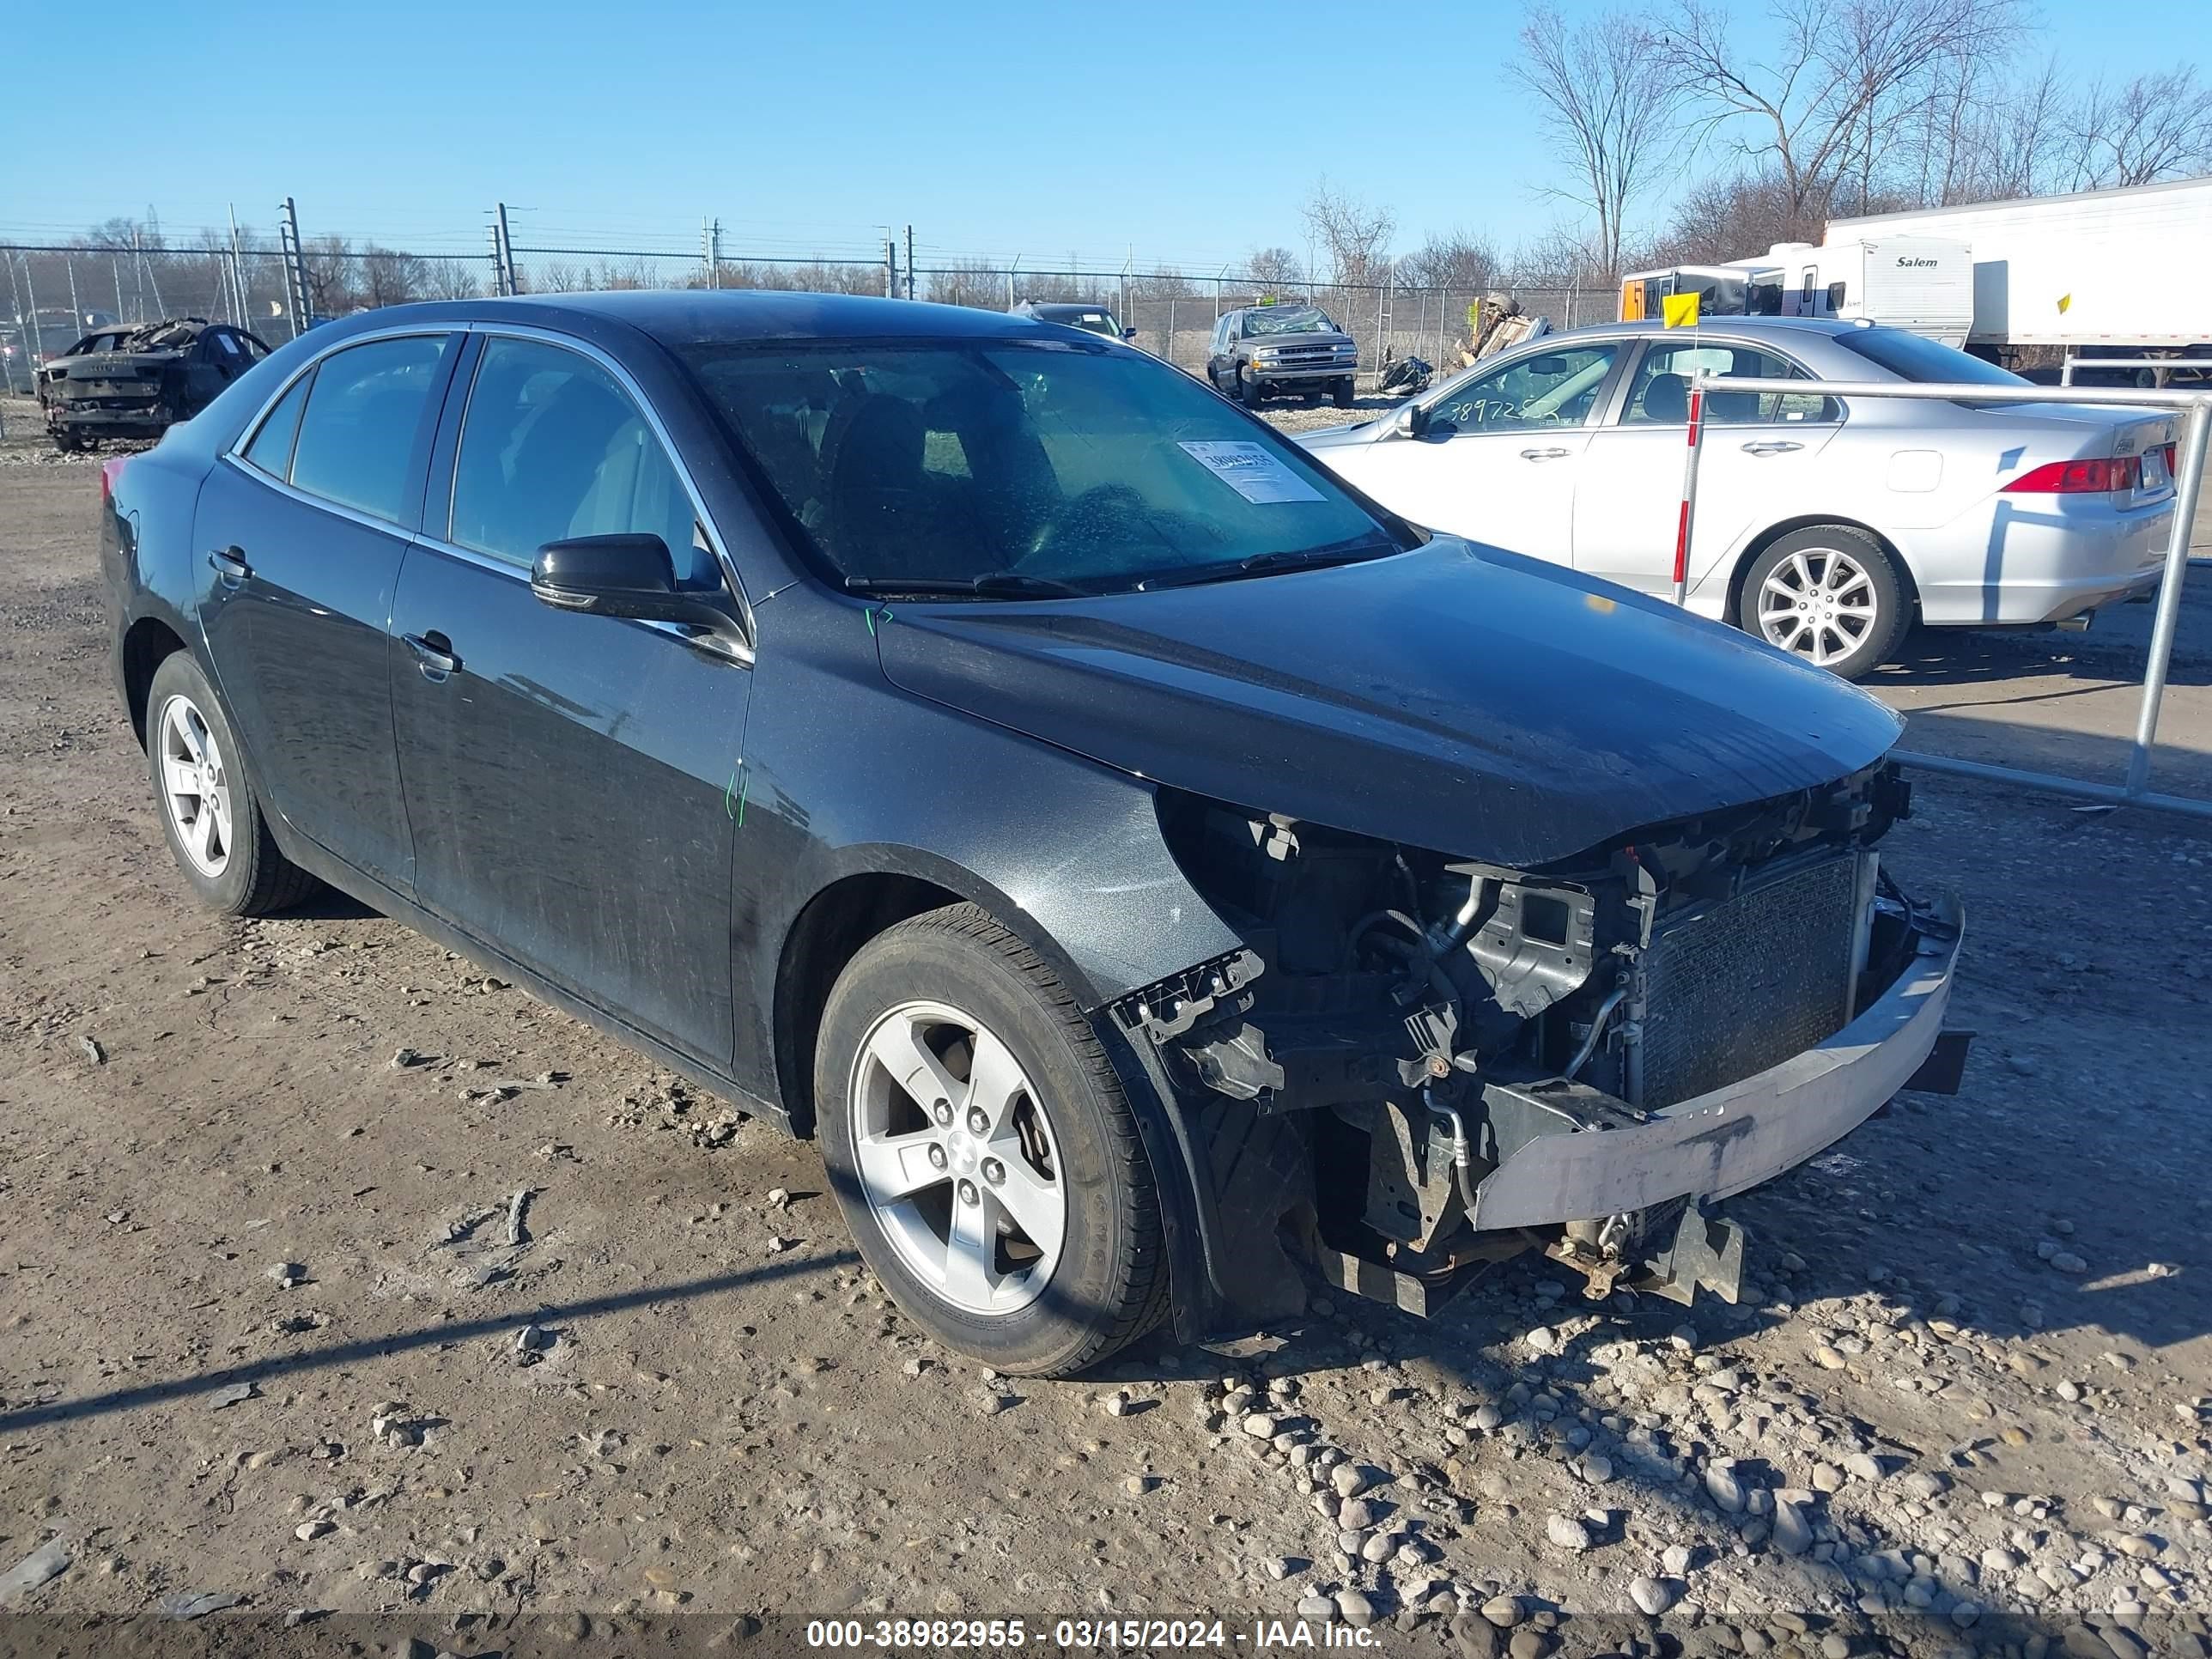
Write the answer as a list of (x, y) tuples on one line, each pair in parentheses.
[(55, 293)]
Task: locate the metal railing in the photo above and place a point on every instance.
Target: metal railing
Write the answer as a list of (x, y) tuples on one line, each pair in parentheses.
[(2201, 364), (2188, 479)]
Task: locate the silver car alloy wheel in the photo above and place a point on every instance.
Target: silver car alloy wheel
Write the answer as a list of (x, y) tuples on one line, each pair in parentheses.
[(195, 786), (1819, 603), (957, 1158)]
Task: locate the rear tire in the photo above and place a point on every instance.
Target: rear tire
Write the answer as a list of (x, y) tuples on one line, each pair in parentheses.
[(206, 799), (1028, 1237), (1831, 595)]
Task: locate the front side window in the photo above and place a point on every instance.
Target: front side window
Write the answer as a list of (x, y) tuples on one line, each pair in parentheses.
[(554, 448), (357, 434), (1660, 396), (944, 462), (1552, 388)]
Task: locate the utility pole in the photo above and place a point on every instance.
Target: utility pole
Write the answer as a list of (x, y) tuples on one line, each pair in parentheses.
[(77, 317), (909, 261), (238, 272), (1010, 270), (1126, 264), (507, 250), (498, 276), (890, 264), (710, 250), (296, 267)]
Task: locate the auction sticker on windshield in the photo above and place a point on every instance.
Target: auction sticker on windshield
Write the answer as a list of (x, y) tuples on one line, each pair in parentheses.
[(1251, 471)]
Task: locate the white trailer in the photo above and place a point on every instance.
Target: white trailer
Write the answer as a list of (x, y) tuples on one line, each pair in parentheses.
[(1924, 283), (2114, 273)]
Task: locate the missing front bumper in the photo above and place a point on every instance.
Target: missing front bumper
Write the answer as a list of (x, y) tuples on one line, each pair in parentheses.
[(1735, 1137)]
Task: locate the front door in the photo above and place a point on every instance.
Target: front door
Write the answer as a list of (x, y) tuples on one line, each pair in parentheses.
[(1755, 454), (301, 533), (570, 779), (1497, 453)]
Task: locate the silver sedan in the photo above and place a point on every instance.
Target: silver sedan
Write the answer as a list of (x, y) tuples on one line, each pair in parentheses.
[(1827, 525)]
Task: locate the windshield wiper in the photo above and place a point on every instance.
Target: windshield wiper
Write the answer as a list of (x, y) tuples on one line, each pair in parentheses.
[(998, 585), (1355, 551)]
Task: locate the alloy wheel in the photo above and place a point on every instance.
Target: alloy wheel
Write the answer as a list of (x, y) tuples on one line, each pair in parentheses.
[(1819, 603), (957, 1158), (195, 786)]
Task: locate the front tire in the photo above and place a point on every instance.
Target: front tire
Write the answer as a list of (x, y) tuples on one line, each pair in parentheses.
[(982, 1151), (1831, 594), (208, 804), (1344, 394), (1249, 392)]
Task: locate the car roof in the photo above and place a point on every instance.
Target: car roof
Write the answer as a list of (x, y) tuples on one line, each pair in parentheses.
[(680, 317), (1827, 327)]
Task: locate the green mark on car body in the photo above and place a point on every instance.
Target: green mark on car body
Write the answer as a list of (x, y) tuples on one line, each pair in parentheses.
[(870, 613)]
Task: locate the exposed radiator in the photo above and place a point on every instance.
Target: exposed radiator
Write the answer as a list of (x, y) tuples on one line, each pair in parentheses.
[(1741, 984)]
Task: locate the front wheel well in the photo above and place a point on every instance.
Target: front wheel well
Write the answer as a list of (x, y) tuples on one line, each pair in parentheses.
[(829, 932), (1774, 533), (146, 645)]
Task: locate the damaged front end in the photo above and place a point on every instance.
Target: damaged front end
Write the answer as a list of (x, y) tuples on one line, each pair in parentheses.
[(1421, 1065)]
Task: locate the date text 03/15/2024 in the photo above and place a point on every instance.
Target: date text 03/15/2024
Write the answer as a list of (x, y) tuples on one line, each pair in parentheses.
[(895, 1635)]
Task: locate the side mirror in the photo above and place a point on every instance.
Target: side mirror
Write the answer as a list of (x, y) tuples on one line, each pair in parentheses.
[(628, 575), (1405, 422), (1129, 333)]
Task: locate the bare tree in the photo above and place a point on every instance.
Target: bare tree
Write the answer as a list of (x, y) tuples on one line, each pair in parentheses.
[(1608, 98), (389, 277), (1275, 267), (1846, 74), (1461, 262), (1357, 236), (2155, 127)]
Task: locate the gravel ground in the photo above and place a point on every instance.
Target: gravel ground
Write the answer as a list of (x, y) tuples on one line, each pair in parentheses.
[(270, 1334)]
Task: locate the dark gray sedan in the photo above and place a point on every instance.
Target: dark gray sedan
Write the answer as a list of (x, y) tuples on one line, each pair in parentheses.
[(1158, 875)]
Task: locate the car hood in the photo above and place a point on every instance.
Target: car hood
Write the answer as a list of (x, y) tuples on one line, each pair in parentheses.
[(1340, 437), (1456, 698)]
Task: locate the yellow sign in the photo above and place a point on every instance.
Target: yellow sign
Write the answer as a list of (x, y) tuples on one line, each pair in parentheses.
[(1474, 315), (2065, 303), (1679, 310)]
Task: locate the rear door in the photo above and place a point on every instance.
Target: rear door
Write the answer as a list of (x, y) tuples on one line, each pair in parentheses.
[(1757, 451), (300, 532), (570, 779), (1498, 455)]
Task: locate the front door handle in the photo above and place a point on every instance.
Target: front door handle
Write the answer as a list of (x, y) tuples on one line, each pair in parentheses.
[(433, 654), (1545, 454), (1777, 446), (229, 564)]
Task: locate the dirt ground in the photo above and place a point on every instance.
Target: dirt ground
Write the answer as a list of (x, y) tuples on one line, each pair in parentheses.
[(264, 1331)]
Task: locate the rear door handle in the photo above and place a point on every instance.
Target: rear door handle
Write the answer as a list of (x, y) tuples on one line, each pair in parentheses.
[(433, 654), (1779, 446), (1544, 454), (229, 564)]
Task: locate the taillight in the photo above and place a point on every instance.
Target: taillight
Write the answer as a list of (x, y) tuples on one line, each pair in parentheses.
[(109, 470), (2090, 478)]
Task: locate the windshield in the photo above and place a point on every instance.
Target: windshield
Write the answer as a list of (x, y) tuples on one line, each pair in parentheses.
[(1287, 319), (1916, 357), (944, 462)]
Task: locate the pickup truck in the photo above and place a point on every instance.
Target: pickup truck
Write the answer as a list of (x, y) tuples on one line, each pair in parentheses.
[(1259, 350)]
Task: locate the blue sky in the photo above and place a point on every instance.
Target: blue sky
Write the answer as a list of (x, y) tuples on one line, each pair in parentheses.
[(995, 130)]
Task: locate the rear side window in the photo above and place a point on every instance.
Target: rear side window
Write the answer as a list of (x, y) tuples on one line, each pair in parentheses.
[(1916, 357), (554, 448), (271, 448), (357, 436)]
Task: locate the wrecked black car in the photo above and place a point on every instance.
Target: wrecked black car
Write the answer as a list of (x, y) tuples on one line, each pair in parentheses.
[(1160, 879), (138, 381)]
